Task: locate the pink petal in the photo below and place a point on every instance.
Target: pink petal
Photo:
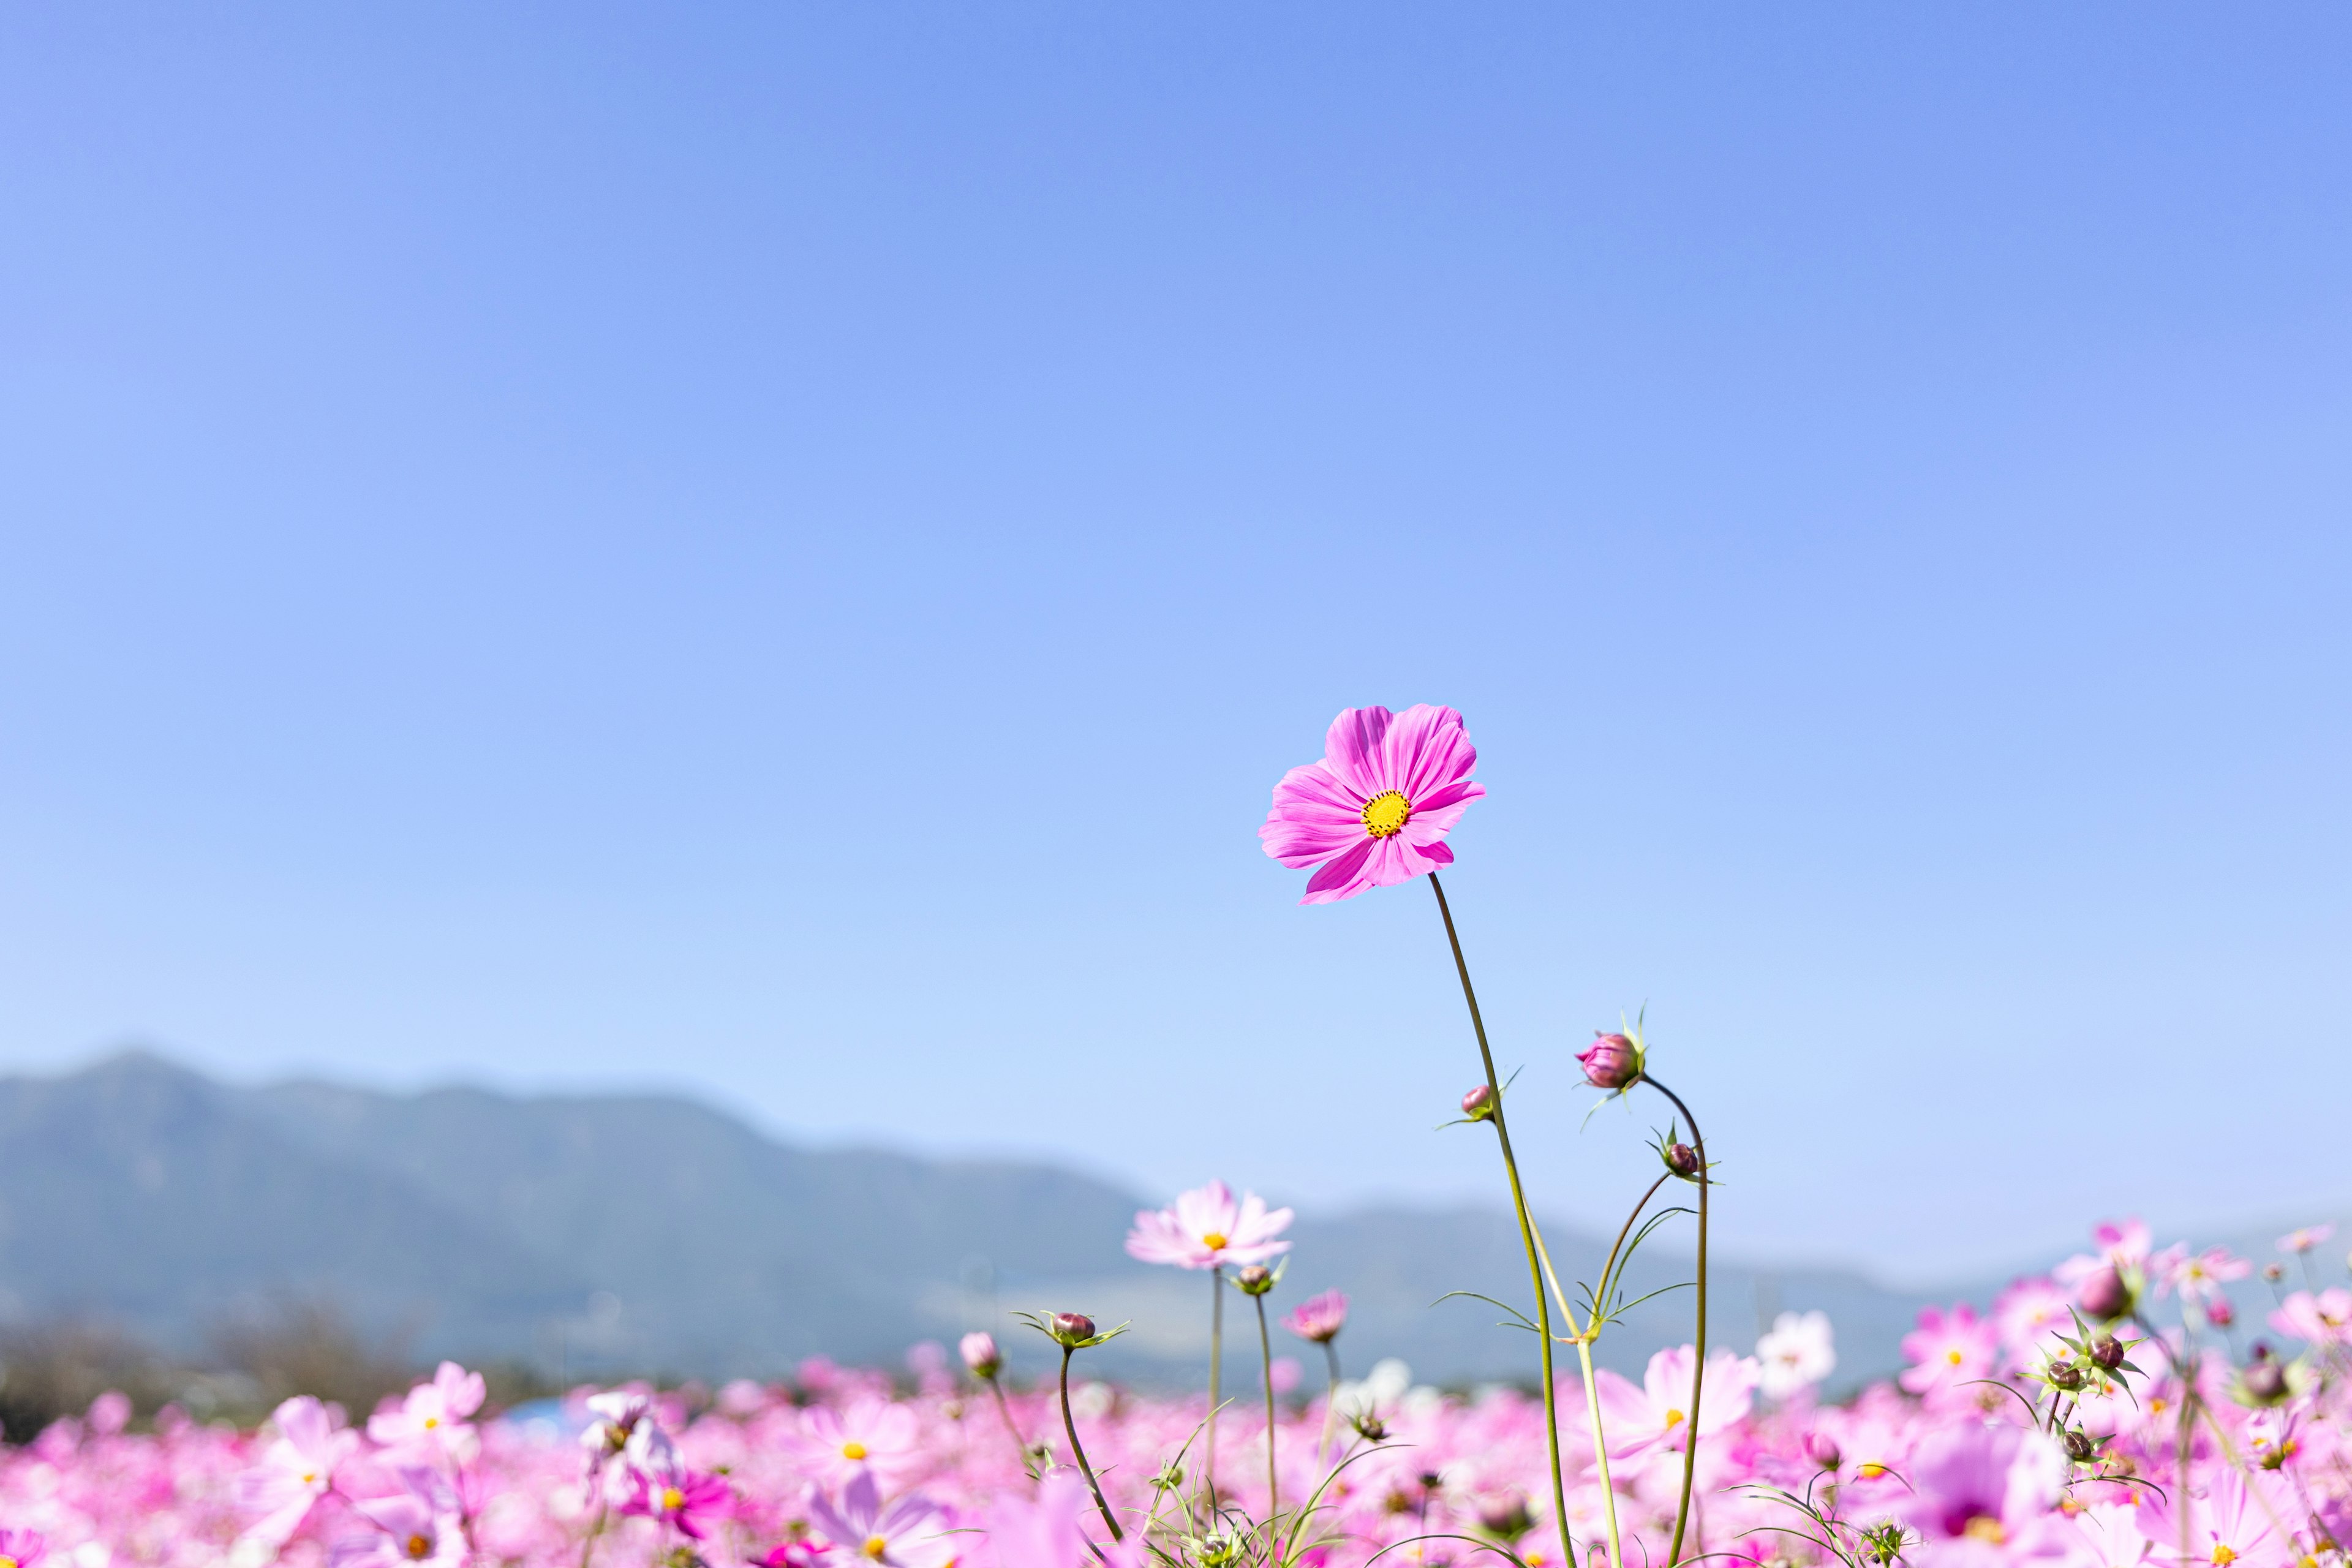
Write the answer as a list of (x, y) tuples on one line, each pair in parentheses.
[(1352, 751), (1342, 877)]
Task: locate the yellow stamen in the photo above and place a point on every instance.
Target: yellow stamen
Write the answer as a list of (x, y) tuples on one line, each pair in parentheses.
[(2222, 1555), (853, 1450), (1870, 1470), (1673, 1419), (1984, 1527), (1952, 1356), (419, 1546), (431, 1422), (1214, 1241), (1385, 813), (874, 1547), (672, 1499)]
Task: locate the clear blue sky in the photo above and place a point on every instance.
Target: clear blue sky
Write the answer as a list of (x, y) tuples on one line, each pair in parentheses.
[(779, 551)]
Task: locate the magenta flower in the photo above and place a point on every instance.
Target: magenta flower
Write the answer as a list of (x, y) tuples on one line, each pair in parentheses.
[(419, 1524), (1375, 810), (1318, 1319), (1206, 1228), (912, 1532), (1051, 1531), (678, 1498), (23, 1548)]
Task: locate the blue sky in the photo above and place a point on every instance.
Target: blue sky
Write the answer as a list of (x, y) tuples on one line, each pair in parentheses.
[(779, 552)]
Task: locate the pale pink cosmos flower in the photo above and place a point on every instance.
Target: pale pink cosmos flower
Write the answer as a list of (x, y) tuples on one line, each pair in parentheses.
[(432, 1419), (2198, 1276), (2031, 1315), (1375, 810), (912, 1532), (1206, 1229), (420, 1524), (295, 1471), (1657, 1414), (2230, 1520), (1318, 1319), (2304, 1239), (1947, 1349), (2324, 1319), (2114, 1535), (870, 1437)]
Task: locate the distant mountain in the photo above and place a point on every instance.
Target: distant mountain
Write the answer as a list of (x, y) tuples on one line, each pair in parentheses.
[(604, 1233)]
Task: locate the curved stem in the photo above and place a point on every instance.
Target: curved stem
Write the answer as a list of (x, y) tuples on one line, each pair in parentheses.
[(1079, 1453), (1527, 1228), (1698, 1362), (1265, 1362), (1019, 1443), (1216, 1370)]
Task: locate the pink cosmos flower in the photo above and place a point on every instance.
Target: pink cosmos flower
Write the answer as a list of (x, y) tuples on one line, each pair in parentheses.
[(912, 1532), (295, 1471), (871, 1436), (432, 1418), (1981, 1496), (1206, 1228), (679, 1497), (23, 1548), (2114, 1535), (2305, 1239), (1946, 1350), (1318, 1319), (1052, 1531), (2198, 1276), (420, 1524), (2229, 1523), (1657, 1414), (2031, 1315), (1375, 810), (2324, 1319)]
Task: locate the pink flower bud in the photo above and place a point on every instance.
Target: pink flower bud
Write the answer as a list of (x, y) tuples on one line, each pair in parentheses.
[(1681, 1159), (981, 1355), (1822, 1450), (1506, 1517), (1611, 1062), (1478, 1105), (2102, 1292), (2220, 1312), (1071, 1327), (1254, 1279)]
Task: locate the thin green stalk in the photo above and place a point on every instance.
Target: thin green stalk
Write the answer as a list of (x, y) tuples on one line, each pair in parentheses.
[(1526, 1227), (1079, 1453), (1216, 1372), (1698, 1362), (1019, 1443), (1330, 1403), (1265, 1362)]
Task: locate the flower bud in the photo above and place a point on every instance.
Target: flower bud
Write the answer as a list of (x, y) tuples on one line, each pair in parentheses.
[(2081, 1446), (1069, 1328), (2065, 1375), (2220, 1312), (1681, 1159), (1254, 1279), (2264, 1380), (1822, 1450), (1478, 1105), (1506, 1517), (981, 1355), (2107, 1352), (2103, 1294), (1613, 1062), (1369, 1426), (2273, 1272)]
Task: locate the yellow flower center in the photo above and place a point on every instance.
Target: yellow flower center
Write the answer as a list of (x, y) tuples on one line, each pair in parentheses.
[(1952, 1356), (1984, 1527), (431, 1422), (2224, 1555), (1673, 1419), (420, 1546), (7, 1563), (853, 1450), (1870, 1470), (672, 1499), (874, 1547), (1385, 813), (1214, 1241), (310, 1478)]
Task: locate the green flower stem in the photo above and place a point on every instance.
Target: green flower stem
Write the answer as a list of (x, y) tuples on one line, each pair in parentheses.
[(1079, 1453), (1330, 1403), (1266, 1361), (1698, 1363), (1526, 1229), (1216, 1372), (1019, 1443)]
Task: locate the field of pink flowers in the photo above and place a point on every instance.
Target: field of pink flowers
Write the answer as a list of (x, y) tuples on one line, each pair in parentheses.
[(2116, 1412)]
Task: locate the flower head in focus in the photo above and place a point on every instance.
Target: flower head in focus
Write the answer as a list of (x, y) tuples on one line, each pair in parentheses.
[(1318, 1319), (912, 1532), (1375, 810), (1800, 1351), (1206, 1229)]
